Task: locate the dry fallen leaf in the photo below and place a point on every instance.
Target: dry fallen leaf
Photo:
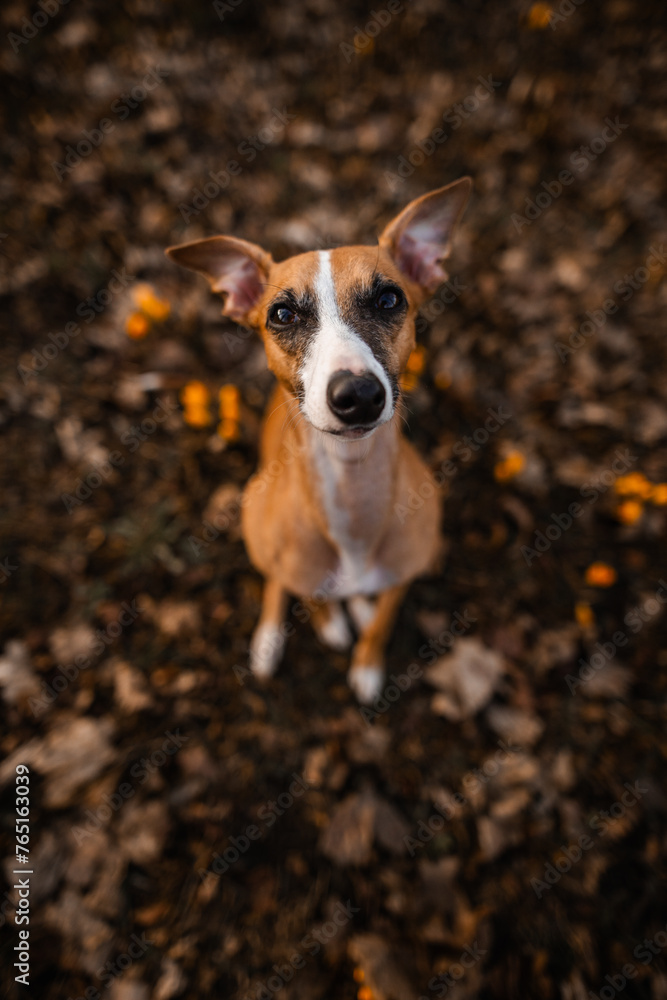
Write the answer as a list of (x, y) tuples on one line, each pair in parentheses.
[(466, 679), (17, 678), (348, 840)]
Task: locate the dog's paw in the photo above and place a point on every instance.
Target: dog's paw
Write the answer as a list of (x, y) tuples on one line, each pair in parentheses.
[(366, 682), (335, 631), (266, 650)]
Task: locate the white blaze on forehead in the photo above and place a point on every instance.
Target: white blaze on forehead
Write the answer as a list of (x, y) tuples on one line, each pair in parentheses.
[(334, 348)]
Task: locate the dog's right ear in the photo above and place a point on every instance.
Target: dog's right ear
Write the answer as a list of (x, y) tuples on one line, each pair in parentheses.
[(235, 268)]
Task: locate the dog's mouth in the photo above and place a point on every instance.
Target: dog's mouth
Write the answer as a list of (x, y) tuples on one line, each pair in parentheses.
[(350, 433)]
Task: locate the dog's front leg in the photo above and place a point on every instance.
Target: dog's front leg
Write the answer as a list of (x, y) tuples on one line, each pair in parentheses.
[(268, 641), (367, 671)]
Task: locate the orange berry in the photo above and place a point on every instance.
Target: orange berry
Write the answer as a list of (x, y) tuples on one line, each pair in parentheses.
[(630, 511), (635, 484), (600, 574), (659, 494), (510, 466), (195, 394), (149, 303), (364, 993), (583, 614), (136, 326), (539, 16), (197, 416), (358, 975), (228, 430), (229, 402)]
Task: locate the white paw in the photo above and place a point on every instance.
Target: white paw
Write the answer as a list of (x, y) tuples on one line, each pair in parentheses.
[(266, 650), (335, 632), (362, 610), (366, 682)]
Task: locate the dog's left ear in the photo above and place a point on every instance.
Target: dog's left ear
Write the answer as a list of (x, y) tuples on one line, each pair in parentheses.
[(421, 236), (235, 268)]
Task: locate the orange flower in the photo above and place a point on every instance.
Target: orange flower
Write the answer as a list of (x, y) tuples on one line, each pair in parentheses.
[(230, 412), (149, 303), (635, 484), (509, 467), (197, 416), (136, 326), (195, 394), (364, 993), (228, 430), (659, 494), (600, 574), (630, 511), (583, 614), (539, 16), (358, 975), (229, 402), (195, 398)]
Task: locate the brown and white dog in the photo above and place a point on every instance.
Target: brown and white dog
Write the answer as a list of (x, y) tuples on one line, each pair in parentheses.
[(338, 327)]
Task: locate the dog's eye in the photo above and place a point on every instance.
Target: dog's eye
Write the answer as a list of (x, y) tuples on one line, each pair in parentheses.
[(282, 315), (389, 298)]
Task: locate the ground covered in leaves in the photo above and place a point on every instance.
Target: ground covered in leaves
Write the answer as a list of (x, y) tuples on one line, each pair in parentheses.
[(497, 828)]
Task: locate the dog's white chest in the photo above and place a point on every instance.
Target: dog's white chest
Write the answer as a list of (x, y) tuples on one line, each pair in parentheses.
[(352, 499)]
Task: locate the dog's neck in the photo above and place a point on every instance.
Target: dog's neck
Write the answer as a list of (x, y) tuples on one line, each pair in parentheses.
[(351, 483)]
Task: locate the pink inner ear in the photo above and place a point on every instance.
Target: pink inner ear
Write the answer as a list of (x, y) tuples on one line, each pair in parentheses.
[(241, 281), (419, 260), (423, 243)]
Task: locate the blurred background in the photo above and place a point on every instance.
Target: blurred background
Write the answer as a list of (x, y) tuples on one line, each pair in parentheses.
[(193, 834)]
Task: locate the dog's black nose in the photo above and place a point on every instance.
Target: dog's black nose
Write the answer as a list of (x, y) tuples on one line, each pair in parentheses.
[(355, 399)]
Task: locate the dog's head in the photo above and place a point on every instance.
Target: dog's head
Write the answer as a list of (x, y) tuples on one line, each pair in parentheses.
[(338, 325)]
